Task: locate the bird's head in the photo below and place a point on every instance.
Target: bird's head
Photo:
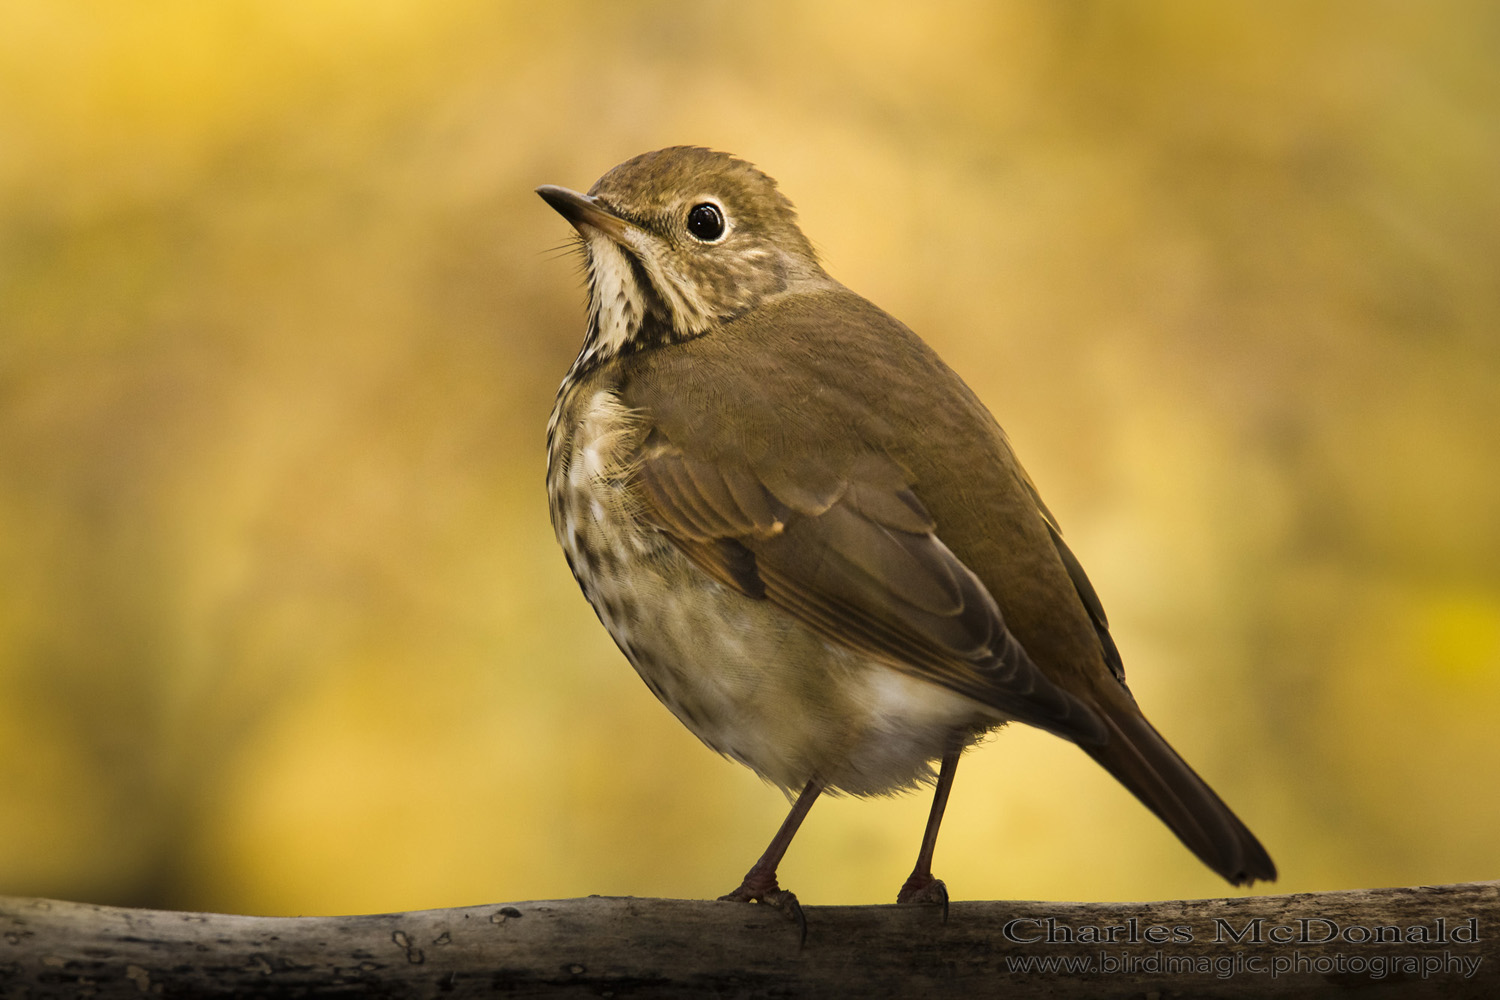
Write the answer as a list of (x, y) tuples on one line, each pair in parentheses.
[(679, 240)]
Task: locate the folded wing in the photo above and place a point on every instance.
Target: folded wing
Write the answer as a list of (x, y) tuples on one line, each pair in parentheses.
[(855, 555)]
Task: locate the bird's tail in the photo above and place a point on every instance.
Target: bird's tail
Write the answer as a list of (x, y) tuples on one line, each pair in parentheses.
[(1141, 760)]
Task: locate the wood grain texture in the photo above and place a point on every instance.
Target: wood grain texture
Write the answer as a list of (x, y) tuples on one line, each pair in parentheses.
[(622, 947)]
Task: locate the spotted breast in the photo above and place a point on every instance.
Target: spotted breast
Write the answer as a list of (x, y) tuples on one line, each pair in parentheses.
[(751, 681)]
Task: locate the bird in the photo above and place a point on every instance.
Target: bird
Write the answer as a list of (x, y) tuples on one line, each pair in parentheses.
[(810, 538)]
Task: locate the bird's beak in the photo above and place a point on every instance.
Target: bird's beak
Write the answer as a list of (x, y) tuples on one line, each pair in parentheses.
[(584, 211)]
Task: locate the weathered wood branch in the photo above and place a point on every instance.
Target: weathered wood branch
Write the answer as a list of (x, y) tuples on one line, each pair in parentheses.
[(1428, 940)]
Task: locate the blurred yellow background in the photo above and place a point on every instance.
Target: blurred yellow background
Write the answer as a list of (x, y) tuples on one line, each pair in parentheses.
[(283, 628)]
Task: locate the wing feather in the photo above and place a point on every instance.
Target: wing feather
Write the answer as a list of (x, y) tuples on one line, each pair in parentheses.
[(855, 555)]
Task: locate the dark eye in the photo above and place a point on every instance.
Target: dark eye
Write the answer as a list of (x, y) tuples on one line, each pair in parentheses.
[(706, 222)]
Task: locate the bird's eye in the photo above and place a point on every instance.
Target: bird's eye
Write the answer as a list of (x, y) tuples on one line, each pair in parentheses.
[(705, 222)]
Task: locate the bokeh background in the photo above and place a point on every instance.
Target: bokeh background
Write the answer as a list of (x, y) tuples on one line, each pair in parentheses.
[(283, 628)]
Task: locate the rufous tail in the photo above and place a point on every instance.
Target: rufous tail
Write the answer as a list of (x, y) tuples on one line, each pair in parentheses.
[(1142, 761)]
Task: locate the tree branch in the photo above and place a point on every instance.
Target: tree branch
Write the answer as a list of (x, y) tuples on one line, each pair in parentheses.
[(1437, 940)]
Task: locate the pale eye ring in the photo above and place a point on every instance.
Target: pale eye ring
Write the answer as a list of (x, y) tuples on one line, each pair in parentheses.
[(705, 222)]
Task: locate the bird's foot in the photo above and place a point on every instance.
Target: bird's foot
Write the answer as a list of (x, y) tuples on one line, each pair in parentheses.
[(924, 889), (765, 891)]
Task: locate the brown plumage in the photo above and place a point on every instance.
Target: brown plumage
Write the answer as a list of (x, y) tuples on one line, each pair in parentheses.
[(807, 534)]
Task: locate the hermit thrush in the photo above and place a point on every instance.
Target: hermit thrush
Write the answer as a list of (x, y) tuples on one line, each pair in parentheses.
[(806, 533)]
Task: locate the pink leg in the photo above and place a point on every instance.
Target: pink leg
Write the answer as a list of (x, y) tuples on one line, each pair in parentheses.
[(760, 885), (920, 886)]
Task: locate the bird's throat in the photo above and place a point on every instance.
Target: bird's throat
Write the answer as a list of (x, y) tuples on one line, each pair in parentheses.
[(617, 302), (627, 313)]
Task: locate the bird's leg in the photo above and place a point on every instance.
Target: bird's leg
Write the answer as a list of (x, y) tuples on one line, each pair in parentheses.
[(920, 886), (760, 881)]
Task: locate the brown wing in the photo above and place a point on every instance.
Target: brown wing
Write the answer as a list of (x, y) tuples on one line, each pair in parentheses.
[(856, 556), (1081, 584)]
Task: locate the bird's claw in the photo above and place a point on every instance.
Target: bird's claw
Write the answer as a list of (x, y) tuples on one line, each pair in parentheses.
[(924, 891), (782, 900)]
